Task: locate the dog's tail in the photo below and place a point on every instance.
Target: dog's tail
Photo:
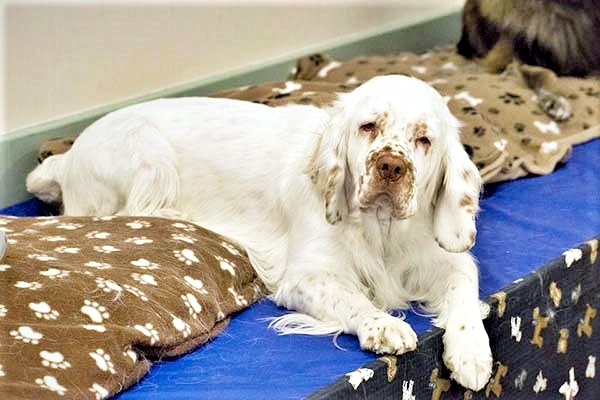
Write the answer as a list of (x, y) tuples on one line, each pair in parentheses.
[(44, 181)]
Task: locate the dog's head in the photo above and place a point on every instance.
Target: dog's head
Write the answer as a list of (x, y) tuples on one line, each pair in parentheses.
[(392, 148)]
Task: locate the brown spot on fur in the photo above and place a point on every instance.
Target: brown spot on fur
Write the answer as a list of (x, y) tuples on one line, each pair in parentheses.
[(419, 129), (466, 201), (467, 174)]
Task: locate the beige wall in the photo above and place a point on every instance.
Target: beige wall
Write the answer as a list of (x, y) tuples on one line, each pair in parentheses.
[(63, 57)]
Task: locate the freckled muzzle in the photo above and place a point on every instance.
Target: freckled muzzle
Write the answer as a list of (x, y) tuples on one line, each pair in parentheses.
[(389, 184)]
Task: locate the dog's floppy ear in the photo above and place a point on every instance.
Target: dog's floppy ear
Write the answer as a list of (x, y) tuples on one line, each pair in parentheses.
[(457, 199), (327, 168)]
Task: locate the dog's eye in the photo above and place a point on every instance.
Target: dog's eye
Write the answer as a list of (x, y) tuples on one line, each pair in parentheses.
[(369, 128), (423, 141)]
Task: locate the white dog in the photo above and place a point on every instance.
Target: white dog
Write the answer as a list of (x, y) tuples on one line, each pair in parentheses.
[(346, 212)]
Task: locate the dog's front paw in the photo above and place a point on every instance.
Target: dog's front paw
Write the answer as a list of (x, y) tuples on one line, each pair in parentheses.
[(468, 355), (385, 334), (555, 106)]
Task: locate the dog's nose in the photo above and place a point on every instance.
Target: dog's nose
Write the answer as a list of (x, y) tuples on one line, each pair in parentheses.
[(390, 167)]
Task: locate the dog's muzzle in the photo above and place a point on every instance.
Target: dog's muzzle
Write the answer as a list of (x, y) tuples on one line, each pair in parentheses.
[(389, 184)]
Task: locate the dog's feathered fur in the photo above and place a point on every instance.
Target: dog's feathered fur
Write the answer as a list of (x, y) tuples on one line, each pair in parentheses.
[(297, 186)]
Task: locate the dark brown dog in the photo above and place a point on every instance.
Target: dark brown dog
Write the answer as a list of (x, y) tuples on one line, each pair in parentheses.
[(562, 35)]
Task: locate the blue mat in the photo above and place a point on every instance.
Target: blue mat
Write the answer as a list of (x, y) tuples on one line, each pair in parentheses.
[(522, 225)]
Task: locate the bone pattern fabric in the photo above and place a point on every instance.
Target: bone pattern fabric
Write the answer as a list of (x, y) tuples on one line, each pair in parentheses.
[(87, 304)]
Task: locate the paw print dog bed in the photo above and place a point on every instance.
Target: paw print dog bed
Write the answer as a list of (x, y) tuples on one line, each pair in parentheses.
[(88, 304)]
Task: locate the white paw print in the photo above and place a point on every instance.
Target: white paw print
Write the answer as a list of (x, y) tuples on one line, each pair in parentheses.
[(27, 335), (94, 327), (97, 235), (149, 331), (182, 326), (138, 224), (103, 361), (194, 308), (44, 311), (53, 238), (3, 311), (185, 227), (28, 285), (46, 221), (145, 264), (69, 226), (139, 240), (136, 292), (54, 360), (226, 265), (105, 218), (186, 255), (99, 391), (98, 265), (231, 248), (41, 257), (108, 285), (2, 373), (50, 383), (195, 284), (144, 279), (94, 311), (239, 300), (67, 250), (55, 273), (4, 267), (133, 356), (107, 249), (6, 230), (184, 238)]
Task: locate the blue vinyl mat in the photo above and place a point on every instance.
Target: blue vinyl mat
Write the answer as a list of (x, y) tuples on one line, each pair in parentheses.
[(522, 225)]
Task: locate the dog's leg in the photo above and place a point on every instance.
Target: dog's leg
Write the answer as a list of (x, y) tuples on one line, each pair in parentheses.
[(337, 304), (466, 344)]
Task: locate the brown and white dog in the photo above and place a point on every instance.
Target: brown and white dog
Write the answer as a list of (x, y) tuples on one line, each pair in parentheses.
[(346, 212)]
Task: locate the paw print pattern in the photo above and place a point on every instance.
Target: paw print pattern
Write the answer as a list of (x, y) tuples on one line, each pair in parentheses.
[(226, 265), (108, 285), (144, 279), (195, 284), (50, 383), (511, 98), (4, 267), (27, 335), (104, 218), (182, 327), (3, 311), (231, 248), (2, 373), (136, 292), (139, 240), (138, 224), (186, 255), (67, 250), (239, 300), (43, 311), (98, 391), (98, 265), (145, 264), (94, 311), (194, 308), (149, 331), (103, 361), (41, 257), (185, 227), (46, 222), (28, 285), (53, 238), (97, 235), (69, 226), (55, 273), (131, 354), (182, 237), (54, 360), (107, 249)]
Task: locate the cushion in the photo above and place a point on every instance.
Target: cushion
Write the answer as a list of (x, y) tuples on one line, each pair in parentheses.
[(87, 304)]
